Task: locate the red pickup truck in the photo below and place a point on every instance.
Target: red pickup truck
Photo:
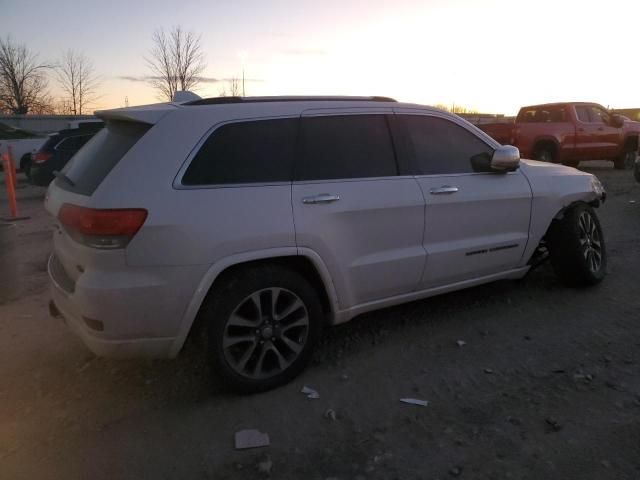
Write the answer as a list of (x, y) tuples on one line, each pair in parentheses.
[(570, 132)]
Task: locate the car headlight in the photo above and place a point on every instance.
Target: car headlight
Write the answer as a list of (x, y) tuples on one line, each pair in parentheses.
[(597, 187)]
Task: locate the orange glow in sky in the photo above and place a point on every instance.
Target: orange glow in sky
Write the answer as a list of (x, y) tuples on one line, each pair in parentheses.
[(492, 56)]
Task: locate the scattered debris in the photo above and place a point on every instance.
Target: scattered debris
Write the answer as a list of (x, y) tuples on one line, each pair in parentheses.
[(514, 421), (558, 370), (265, 465), (455, 471), (527, 338), (632, 201), (553, 424), (585, 378), (344, 377), (330, 414), (606, 463), (415, 401), (310, 392), (461, 343), (488, 370), (251, 439)]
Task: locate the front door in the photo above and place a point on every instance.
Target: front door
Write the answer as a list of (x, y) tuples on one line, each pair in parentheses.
[(476, 224), (353, 207)]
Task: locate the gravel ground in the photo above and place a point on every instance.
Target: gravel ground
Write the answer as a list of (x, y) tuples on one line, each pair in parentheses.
[(547, 385)]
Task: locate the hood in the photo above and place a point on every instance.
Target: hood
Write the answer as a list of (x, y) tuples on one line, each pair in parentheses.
[(534, 167)]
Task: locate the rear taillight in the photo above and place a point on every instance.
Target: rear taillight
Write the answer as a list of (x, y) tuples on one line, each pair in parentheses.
[(101, 228), (40, 157)]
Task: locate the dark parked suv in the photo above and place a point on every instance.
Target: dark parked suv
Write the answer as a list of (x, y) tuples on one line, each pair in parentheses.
[(58, 150)]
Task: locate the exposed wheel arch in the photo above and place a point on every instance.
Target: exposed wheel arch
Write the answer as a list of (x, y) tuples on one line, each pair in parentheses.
[(317, 275)]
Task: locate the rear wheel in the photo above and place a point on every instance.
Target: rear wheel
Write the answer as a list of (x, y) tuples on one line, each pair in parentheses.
[(25, 165), (576, 247), (625, 161), (263, 324), (544, 153)]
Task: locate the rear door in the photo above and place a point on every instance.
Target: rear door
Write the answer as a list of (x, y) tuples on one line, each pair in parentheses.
[(356, 207), (476, 224)]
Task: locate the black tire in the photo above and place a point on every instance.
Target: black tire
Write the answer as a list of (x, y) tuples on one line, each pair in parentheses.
[(233, 294), (572, 163), (625, 161), (544, 153), (25, 165), (579, 259), (636, 171)]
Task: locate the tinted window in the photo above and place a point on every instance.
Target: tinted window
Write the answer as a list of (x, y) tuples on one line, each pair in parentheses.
[(441, 146), (245, 152), (74, 143), (93, 163), (548, 114), (583, 114), (349, 146), (598, 115)]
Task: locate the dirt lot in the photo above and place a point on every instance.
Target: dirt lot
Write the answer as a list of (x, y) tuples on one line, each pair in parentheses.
[(546, 386)]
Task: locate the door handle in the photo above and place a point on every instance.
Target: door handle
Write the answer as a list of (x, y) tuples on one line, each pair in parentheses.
[(445, 189), (600, 129), (322, 198)]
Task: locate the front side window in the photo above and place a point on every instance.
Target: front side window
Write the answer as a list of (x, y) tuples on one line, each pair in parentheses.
[(598, 115), (443, 147), (346, 146), (245, 152)]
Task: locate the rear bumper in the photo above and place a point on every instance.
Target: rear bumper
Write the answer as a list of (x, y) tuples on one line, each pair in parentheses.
[(120, 316), (135, 348)]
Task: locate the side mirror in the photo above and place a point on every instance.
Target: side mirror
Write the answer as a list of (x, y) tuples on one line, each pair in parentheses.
[(617, 121), (505, 159)]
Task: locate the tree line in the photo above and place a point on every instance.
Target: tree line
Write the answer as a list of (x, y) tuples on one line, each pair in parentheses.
[(175, 62)]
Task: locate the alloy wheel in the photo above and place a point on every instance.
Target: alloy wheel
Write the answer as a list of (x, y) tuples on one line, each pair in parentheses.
[(266, 333), (590, 241)]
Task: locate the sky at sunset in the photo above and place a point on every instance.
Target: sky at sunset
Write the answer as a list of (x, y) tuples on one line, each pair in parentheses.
[(492, 56)]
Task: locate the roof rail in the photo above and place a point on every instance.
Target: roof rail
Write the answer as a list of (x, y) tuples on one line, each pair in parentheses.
[(227, 100)]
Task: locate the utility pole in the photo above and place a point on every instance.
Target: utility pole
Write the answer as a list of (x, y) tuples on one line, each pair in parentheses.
[(243, 82)]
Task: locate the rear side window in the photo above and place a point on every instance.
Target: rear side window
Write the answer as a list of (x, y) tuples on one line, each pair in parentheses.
[(442, 147), (90, 166), (583, 114), (245, 152), (549, 114), (51, 142), (74, 143), (349, 146)]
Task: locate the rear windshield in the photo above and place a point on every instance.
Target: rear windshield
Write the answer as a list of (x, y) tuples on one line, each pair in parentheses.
[(51, 142), (93, 162), (549, 114)]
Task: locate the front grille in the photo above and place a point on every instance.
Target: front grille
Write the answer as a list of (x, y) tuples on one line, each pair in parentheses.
[(60, 275)]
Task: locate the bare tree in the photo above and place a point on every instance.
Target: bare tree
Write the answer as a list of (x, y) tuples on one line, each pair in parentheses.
[(23, 81), (455, 108), (176, 61), (232, 89), (78, 81)]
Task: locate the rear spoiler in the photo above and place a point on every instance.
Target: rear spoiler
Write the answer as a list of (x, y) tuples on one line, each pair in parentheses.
[(149, 114)]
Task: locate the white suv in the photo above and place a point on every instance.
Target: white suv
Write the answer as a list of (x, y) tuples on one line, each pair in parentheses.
[(264, 219)]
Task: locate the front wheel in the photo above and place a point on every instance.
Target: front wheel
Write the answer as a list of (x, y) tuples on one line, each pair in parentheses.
[(263, 324), (576, 247)]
